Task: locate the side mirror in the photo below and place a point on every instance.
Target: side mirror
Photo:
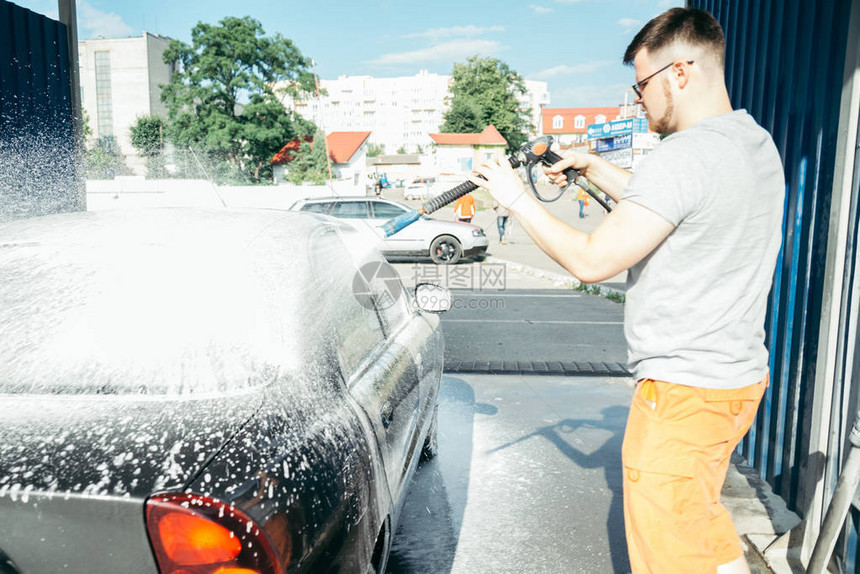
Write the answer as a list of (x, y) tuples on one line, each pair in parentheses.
[(432, 298)]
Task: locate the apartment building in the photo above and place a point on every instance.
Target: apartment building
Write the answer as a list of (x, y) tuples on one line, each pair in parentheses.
[(400, 113), (120, 80)]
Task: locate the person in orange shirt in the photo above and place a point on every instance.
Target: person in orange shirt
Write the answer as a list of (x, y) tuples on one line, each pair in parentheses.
[(464, 209), (582, 198)]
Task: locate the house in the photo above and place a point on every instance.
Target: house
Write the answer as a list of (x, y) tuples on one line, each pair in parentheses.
[(568, 126), (401, 166), (459, 154), (347, 151)]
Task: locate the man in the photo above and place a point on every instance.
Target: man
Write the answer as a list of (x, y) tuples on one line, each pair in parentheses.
[(699, 228), (464, 208)]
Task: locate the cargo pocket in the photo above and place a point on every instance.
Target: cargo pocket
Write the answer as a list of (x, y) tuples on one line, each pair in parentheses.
[(653, 443)]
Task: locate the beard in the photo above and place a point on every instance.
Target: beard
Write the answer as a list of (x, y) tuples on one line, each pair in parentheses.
[(663, 124)]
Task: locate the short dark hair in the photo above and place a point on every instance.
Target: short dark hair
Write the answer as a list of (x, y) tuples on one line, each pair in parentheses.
[(686, 25)]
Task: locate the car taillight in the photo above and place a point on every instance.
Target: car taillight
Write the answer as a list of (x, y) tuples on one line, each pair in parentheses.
[(192, 534)]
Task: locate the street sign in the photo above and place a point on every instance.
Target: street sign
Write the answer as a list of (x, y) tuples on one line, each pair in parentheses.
[(611, 144), (621, 158), (610, 129)]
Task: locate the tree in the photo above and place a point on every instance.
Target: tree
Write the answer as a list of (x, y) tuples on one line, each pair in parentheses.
[(375, 150), (221, 102), (147, 137), (488, 87), (105, 160), (310, 162), (463, 117)]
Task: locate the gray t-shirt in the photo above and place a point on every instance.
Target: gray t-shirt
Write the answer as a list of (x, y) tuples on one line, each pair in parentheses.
[(695, 306)]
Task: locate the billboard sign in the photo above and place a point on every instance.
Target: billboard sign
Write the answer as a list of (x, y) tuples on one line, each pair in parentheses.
[(621, 158), (614, 143), (610, 129)]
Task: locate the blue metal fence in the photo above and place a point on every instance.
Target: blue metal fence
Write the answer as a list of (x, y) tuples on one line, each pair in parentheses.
[(37, 144), (785, 63)]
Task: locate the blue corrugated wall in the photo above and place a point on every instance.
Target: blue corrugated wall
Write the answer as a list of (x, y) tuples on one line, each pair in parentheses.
[(785, 62), (37, 145)]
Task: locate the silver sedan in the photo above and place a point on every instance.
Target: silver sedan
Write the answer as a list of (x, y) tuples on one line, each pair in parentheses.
[(442, 241)]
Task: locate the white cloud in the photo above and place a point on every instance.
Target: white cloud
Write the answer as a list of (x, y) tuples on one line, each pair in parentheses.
[(569, 1), (455, 31), (98, 23), (456, 50), (558, 71), (540, 9), (630, 24)]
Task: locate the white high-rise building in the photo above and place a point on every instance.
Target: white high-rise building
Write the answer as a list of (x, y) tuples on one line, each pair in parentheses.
[(399, 112), (120, 80)]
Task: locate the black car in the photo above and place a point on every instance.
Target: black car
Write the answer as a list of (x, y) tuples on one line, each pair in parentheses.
[(195, 392)]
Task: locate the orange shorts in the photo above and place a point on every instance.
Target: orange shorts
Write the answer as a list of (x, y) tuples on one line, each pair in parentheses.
[(676, 452)]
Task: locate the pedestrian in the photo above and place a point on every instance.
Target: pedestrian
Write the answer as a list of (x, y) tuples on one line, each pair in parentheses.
[(698, 227), (464, 208), (582, 198), (502, 215)]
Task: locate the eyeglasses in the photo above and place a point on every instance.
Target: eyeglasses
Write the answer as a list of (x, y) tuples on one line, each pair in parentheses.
[(639, 86)]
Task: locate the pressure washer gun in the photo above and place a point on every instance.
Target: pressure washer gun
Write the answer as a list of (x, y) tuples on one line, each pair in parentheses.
[(529, 155)]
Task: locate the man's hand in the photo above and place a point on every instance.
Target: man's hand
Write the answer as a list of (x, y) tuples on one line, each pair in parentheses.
[(500, 179), (576, 160)]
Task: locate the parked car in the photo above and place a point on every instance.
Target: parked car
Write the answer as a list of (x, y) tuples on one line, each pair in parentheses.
[(180, 393), (442, 241), (420, 188), (416, 191)]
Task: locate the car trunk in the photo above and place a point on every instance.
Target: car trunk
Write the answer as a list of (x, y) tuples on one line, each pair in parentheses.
[(75, 472)]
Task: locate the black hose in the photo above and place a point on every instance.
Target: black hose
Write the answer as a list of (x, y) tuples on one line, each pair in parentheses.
[(454, 193)]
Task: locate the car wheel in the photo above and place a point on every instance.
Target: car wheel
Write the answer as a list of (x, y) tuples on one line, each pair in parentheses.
[(445, 249), (431, 443)]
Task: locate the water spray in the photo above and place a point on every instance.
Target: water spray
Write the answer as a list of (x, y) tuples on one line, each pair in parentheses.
[(529, 155)]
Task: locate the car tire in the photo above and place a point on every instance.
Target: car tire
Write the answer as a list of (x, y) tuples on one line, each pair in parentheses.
[(431, 443), (445, 249)]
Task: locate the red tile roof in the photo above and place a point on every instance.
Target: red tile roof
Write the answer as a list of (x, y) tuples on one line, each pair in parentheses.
[(343, 145), (569, 115), (490, 136)]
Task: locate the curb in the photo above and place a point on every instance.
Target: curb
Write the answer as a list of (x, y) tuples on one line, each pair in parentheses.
[(567, 281), (560, 368)]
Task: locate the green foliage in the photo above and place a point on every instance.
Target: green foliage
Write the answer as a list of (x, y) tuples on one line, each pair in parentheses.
[(485, 92), (104, 161), (374, 150), (147, 137), (310, 162), (463, 117), (220, 100), (86, 129), (609, 293), (401, 150)]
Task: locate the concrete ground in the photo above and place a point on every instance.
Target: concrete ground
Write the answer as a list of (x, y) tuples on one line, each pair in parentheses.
[(528, 479)]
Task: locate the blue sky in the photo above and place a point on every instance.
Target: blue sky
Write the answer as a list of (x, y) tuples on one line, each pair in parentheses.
[(574, 45)]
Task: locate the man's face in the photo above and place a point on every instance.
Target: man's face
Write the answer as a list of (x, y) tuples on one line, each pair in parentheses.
[(656, 97)]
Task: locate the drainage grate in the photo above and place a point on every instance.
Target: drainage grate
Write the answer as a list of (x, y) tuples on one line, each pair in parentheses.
[(538, 368)]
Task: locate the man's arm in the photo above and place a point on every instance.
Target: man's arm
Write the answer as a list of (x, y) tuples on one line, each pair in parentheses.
[(625, 237)]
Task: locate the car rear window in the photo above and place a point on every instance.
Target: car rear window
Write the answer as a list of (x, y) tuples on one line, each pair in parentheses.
[(321, 207), (383, 210), (350, 210)]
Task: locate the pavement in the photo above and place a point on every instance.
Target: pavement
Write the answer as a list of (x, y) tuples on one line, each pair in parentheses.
[(528, 479), (760, 516)]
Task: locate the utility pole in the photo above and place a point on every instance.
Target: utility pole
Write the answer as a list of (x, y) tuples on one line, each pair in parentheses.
[(68, 16)]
